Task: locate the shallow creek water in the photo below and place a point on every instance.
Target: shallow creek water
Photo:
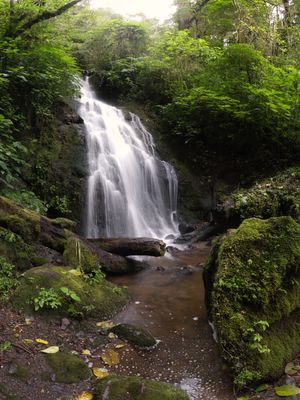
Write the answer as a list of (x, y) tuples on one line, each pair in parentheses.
[(167, 298)]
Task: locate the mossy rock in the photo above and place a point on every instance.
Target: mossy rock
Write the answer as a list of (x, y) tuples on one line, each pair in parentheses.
[(24, 222), (68, 368), (135, 388), (77, 255), (102, 300), (252, 282), (138, 336), (18, 370), (64, 223), (273, 197)]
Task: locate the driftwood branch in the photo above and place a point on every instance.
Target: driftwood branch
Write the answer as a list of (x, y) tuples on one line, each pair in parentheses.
[(131, 246)]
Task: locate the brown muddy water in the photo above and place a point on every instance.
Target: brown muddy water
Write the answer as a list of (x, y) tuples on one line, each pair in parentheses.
[(167, 298)]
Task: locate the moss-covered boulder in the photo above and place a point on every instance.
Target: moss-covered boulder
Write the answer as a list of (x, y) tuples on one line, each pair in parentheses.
[(135, 335), (252, 282), (65, 291), (68, 368), (271, 197), (14, 249), (135, 388)]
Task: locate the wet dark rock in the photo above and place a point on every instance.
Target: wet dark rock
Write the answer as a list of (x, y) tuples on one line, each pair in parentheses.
[(185, 228), (186, 270), (136, 388), (65, 322), (138, 336), (68, 368)]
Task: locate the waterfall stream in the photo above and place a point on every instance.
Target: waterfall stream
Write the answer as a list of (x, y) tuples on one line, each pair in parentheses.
[(131, 192)]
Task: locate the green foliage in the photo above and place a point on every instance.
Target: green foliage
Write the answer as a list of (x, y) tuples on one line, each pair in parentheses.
[(8, 281), (47, 299), (94, 277), (5, 346), (27, 199)]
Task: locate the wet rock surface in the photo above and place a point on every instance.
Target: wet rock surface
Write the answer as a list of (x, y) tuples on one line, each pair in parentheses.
[(135, 335)]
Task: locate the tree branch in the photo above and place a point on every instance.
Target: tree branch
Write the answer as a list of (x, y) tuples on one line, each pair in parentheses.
[(43, 17)]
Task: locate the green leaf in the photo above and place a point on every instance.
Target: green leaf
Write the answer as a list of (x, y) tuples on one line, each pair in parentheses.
[(262, 388), (287, 390)]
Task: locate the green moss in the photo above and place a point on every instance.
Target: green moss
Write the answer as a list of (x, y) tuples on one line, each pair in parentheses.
[(253, 284), (14, 249), (101, 300), (68, 368), (23, 222), (76, 254), (135, 388), (64, 223), (20, 370)]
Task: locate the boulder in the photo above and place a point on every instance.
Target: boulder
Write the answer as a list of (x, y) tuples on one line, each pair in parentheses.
[(65, 291), (68, 368), (138, 336), (252, 282), (136, 388)]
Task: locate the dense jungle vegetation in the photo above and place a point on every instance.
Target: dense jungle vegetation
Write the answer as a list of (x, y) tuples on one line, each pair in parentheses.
[(222, 77)]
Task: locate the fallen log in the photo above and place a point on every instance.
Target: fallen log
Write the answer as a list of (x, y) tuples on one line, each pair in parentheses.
[(131, 246)]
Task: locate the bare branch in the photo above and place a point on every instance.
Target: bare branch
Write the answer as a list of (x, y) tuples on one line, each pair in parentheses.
[(43, 17)]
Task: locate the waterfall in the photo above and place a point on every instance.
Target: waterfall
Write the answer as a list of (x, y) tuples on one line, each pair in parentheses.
[(131, 192)]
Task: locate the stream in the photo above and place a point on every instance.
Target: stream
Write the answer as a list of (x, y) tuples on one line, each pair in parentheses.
[(167, 298)]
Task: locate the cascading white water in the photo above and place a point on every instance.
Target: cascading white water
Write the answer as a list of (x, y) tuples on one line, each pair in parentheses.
[(131, 192)]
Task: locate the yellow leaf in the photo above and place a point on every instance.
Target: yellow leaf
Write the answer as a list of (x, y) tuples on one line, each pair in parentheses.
[(110, 357), (51, 350), (28, 321), (42, 341), (27, 341), (100, 373), (85, 396), (105, 324), (120, 346), (86, 352)]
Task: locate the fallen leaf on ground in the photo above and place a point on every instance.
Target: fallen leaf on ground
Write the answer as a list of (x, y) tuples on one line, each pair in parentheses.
[(112, 336), (291, 369), (86, 352), (287, 390), (51, 350), (27, 341), (110, 357), (28, 321), (261, 388), (120, 346), (42, 341), (100, 373), (85, 396), (105, 324)]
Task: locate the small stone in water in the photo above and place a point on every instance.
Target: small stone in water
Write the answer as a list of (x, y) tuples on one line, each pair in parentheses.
[(195, 318), (137, 302)]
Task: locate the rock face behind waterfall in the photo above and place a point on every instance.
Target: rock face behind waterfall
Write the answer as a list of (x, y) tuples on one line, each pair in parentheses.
[(252, 282), (131, 192)]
